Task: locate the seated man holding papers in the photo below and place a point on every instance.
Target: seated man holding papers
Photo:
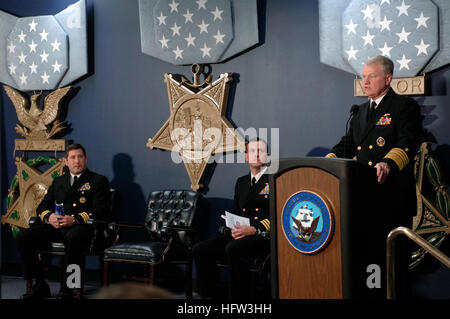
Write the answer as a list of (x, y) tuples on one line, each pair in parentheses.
[(244, 243)]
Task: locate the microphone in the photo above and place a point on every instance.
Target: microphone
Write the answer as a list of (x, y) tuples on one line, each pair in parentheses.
[(353, 111)]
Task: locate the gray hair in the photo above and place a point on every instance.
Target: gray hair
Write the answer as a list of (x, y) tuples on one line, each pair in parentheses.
[(386, 64)]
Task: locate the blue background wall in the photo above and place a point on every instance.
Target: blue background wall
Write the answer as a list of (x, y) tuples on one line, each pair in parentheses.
[(279, 84)]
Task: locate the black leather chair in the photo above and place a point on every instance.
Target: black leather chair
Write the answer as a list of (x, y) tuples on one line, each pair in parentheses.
[(170, 228), (104, 236)]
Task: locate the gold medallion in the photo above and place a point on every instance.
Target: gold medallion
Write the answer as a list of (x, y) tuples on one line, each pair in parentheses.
[(197, 127), (381, 141), (82, 200)]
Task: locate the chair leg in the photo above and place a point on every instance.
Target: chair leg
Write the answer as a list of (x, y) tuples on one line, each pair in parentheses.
[(151, 274), (105, 273), (83, 278), (102, 270), (188, 279), (62, 271), (29, 284)]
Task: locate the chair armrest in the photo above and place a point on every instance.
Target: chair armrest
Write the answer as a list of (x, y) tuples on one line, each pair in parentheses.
[(224, 230), (34, 221), (180, 228)]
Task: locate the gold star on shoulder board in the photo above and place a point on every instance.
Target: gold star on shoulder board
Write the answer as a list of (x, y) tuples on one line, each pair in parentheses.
[(32, 185), (197, 127)]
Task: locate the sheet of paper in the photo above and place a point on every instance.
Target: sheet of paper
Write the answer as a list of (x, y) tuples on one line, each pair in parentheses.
[(232, 219)]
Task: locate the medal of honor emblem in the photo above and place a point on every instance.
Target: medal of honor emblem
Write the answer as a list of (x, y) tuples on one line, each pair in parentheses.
[(197, 127), (307, 222), (381, 141)]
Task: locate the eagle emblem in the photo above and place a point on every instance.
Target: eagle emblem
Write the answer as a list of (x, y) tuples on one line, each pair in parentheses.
[(305, 223), (37, 122)]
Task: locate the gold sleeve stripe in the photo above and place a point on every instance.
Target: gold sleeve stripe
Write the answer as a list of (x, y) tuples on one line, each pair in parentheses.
[(85, 217), (43, 214), (399, 156), (331, 155), (266, 223)]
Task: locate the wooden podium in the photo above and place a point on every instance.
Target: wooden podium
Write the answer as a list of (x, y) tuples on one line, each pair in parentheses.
[(335, 270)]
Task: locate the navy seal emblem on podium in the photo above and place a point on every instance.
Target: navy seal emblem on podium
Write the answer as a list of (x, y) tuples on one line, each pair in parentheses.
[(307, 222)]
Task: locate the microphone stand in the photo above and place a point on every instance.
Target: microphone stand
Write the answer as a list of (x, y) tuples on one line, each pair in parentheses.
[(353, 111)]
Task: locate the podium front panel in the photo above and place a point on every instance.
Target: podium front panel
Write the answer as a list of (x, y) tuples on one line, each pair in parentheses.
[(316, 275)]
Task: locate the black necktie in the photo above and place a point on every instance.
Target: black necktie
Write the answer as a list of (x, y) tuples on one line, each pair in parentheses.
[(253, 181), (372, 110), (75, 178)]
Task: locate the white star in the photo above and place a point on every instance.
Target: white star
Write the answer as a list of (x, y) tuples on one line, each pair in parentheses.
[(188, 16), (11, 47), (367, 13), (217, 14), (403, 36), (43, 35), (44, 56), (205, 50), (422, 48), (32, 46), (56, 45), (173, 6), (386, 51), (385, 1), (403, 9), (56, 67), (164, 42), (178, 53), (23, 79), (422, 21), (368, 38), (162, 19), (404, 62), (201, 4), (203, 27), (45, 78), (219, 37), (190, 40), (32, 25), (351, 27), (351, 53), (22, 58), (22, 37), (33, 68), (175, 29), (12, 69), (385, 24)]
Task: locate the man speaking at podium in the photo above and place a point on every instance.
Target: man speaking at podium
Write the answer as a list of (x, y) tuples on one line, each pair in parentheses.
[(384, 135)]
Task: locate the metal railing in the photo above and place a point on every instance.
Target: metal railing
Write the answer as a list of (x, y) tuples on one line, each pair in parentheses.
[(390, 253)]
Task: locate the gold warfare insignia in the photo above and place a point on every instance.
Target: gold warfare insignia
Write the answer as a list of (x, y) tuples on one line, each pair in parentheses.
[(381, 141), (82, 200), (197, 127)]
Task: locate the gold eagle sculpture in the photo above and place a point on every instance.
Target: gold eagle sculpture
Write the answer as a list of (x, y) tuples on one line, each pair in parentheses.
[(36, 121)]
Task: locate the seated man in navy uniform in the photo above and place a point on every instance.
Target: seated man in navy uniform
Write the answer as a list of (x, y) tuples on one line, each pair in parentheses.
[(242, 245), (83, 194)]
